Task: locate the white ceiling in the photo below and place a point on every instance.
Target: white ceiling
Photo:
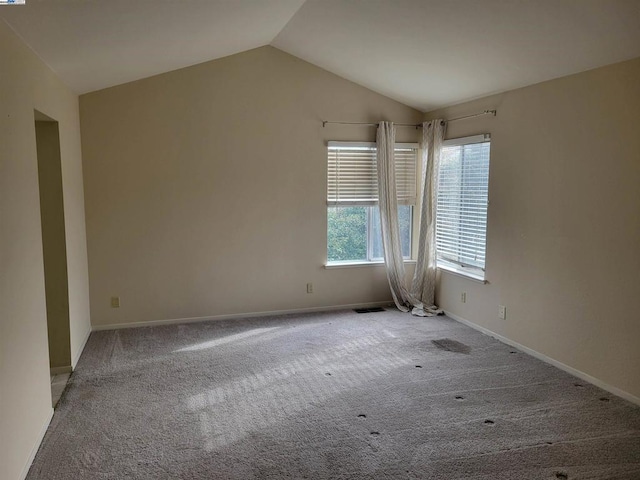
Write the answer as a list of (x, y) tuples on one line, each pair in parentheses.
[(424, 53), (94, 44), (432, 53)]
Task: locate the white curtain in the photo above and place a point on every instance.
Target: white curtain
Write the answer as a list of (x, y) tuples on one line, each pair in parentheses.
[(420, 299), (423, 286), (388, 203)]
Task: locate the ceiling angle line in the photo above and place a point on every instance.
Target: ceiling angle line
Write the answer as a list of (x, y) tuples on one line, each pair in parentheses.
[(415, 125)]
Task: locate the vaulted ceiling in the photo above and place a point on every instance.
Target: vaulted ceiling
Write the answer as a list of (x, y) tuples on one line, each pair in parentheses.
[(424, 53)]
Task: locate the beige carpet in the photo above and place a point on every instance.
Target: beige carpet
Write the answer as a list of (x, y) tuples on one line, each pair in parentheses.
[(330, 396)]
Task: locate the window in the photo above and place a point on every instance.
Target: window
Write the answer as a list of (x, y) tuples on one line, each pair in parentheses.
[(461, 217), (353, 219)]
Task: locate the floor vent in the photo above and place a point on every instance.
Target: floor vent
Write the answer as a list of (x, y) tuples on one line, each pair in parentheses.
[(368, 310)]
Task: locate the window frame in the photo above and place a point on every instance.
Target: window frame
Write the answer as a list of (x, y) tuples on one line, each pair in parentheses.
[(370, 259), (469, 271)]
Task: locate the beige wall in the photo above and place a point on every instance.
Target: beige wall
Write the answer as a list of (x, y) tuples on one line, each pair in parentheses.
[(25, 397), (563, 247), (206, 189), (53, 243)]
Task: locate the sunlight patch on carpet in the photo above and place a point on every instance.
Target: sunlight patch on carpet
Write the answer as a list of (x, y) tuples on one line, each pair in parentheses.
[(264, 399), (231, 338)]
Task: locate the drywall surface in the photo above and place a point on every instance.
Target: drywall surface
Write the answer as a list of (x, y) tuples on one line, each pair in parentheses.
[(563, 222), (25, 397), (53, 243), (206, 189)]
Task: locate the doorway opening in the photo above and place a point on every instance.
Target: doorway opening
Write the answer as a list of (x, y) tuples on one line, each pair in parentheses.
[(54, 249)]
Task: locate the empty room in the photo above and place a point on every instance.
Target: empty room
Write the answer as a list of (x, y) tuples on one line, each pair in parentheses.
[(321, 239)]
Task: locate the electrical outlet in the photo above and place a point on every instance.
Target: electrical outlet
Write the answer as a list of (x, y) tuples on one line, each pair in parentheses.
[(309, 287), (502, 312), (115, 302), (463, 297)]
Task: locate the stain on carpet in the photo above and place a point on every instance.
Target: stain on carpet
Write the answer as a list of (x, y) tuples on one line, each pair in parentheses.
[(452, 346)]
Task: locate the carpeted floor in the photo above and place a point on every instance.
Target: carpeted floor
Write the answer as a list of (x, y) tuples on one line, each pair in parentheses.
[(330, 396)]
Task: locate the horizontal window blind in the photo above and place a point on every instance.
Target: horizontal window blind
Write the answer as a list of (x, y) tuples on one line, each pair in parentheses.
[(461, 216), (352, 178), (406, 162)]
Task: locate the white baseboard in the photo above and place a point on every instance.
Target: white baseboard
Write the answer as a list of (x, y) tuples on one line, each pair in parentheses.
[(117, 326), (540, 356), (60, 370), (76, 357), (36, 445)]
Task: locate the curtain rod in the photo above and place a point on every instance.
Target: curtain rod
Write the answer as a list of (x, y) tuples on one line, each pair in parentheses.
[(416, 125)]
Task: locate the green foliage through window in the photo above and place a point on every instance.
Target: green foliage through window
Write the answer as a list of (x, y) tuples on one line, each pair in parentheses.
[(354, 233), (347, 233)]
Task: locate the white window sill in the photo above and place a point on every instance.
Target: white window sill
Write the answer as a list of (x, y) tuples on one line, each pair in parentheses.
[(471, 273), (363, 263)]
